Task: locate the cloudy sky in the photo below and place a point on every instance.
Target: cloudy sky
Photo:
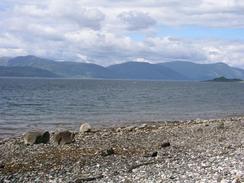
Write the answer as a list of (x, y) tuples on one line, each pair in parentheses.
[(113, 31)]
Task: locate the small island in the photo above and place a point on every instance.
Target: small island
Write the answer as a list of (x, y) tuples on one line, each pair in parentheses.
[(224, 79)]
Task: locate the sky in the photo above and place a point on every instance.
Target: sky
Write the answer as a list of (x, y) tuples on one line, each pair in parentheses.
[(107, 32)]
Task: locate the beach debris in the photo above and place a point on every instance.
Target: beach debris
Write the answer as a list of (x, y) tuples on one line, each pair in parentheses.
[(172, 177), (2, 165), (107, 152), (85, 127), (151, 155), (199, 130), (63, 137), (154, 154), (142, 126), (236, 180), (221, 125), (127, 181), (135, 166), (119, 129), (130, 128), (165, 144), (36, 137), (88, 178)]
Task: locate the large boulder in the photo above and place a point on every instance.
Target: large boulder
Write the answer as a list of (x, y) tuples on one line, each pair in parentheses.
[(85, 127), (36, 137), (63, 137)]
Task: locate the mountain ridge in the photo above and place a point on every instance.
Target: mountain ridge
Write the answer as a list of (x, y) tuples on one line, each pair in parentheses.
[(4, 61), (6, 71), (137, 70), (64, 69), (205, 71), (175, 70)]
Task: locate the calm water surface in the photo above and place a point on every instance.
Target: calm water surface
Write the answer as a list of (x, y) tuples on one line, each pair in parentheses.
[(53, 103)]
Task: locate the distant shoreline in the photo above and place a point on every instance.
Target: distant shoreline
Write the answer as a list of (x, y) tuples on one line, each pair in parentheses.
[(105, 79), (123, 124), (175, 70)]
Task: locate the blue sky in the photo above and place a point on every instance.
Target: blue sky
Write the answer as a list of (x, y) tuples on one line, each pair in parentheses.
[(194, 32), (197, 32), (107, 32)]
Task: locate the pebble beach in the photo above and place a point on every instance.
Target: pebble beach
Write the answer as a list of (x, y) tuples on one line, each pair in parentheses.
[(172, 151)]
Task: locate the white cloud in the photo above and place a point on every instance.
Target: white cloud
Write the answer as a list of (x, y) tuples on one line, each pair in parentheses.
[(227, 52), (136, 20), (98, 31)]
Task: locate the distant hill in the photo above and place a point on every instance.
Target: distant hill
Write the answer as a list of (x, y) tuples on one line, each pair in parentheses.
[(64, 69), (224, 79), (143, 70), (25, 72), (178, 70), (195, 71), (4, 61)]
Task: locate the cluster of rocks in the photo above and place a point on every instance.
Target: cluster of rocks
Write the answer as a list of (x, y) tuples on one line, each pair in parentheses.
[(183, 151), (59, 137)]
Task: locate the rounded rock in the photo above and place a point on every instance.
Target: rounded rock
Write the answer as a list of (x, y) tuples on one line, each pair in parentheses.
[(36, 137), (85, 127), (63, 137)]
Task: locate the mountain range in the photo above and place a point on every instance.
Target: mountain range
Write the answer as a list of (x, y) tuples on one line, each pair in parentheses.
[(25, 72), (32, 66)]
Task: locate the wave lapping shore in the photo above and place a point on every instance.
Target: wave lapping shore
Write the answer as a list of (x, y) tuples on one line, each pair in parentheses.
[(182, 151)]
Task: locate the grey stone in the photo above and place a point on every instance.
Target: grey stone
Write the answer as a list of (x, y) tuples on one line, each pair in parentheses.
[(221, 125), (88, 178), (130, 128), (108, 152), (142, 126), (165, 144), (63, 137), (2, 165), (36, 137), (151, 155), (86, 127)]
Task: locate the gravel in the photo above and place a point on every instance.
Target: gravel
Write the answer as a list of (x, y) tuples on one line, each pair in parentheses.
[(179, 151)]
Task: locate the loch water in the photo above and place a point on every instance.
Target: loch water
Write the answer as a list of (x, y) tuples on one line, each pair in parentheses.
[(65, 103)]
